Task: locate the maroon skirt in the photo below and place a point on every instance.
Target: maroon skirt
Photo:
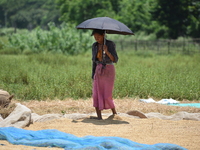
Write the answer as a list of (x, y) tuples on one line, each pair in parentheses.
[(103, 85)]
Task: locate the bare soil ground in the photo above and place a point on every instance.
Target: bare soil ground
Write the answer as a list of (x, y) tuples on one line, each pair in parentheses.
[(185, 133)]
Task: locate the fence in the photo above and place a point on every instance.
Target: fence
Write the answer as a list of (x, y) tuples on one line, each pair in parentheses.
[(161, 46)]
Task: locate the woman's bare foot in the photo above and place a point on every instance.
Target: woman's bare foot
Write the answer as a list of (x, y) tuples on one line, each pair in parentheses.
[(93, 117)]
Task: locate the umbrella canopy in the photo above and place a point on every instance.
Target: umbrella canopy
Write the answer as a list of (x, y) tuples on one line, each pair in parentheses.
[(111, 26)]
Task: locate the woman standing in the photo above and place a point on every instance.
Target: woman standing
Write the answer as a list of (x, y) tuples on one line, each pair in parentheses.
[(103, 72)]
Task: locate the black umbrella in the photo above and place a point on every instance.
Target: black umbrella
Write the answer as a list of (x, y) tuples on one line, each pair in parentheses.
[(111, 26)]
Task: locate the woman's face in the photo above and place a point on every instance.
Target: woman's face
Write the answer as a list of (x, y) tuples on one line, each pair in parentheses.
[(99, 38)]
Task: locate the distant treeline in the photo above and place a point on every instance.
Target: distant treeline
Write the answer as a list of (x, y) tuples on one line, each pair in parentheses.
[(166, 18)]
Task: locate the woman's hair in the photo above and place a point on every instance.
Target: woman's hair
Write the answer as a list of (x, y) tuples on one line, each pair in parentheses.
[(101, 32)]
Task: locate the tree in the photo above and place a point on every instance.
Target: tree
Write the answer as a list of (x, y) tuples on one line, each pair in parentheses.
[(193, 29), (135, 14), (2, 17), (77, 11), (9, 9), (175, 15), (29, 13)]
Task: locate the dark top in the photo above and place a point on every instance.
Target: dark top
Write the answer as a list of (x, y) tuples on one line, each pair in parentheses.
[(111, 48)]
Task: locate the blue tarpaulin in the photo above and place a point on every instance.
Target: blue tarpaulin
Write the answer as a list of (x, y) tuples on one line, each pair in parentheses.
[(55, 138), (197, 105)]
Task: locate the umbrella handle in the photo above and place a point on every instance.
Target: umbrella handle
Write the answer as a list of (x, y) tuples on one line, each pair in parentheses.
[(104, 42)]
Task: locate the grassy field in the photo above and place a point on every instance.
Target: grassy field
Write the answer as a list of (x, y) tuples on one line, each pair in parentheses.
[(138, 75)]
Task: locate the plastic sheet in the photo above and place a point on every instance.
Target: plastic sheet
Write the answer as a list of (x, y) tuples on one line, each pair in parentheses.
[(55, 138), (197, 105), (162, 101)]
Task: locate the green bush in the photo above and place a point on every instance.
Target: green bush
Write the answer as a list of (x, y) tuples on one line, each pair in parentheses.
[(65, 39)]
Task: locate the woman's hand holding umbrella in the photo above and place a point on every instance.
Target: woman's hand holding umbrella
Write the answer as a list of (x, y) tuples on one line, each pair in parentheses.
[(105, 51)]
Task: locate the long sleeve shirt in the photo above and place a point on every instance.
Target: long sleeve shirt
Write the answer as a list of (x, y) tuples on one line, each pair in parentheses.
[(111, 48)]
